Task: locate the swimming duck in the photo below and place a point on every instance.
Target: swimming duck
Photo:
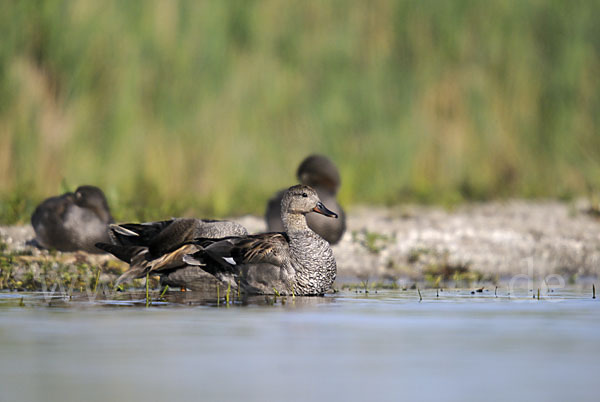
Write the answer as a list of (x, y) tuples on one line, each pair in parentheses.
[(295, 262), (73, 221), (320, 173), (163, 243)]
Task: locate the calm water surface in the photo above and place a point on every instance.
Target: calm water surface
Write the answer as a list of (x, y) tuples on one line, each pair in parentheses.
[(347, 346)]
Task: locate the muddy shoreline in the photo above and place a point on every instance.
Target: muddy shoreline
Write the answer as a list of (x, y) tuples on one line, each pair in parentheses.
[(487, 242)]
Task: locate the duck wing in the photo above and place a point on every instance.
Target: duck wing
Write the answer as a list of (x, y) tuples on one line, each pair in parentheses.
[(159, 237), (171, 260), (218, 255), (271, 248), (141, 262), (166, 236), (137, 234)]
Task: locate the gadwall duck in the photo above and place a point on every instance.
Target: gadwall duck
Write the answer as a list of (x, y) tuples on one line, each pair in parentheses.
[(295, 262), (143, 245), (320, 173), (73, 221)]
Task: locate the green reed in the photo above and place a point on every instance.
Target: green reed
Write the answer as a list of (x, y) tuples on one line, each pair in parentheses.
[(206, 108)]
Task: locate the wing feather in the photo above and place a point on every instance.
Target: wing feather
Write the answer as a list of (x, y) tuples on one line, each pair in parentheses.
[(263, 248)]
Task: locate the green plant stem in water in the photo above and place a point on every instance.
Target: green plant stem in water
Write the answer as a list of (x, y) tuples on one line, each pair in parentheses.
[(228, 292), (147, 289), (164, 290), (420, 297), (97, 279)]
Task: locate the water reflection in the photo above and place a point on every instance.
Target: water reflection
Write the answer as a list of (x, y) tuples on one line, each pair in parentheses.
[(350, 346), (175, 298)]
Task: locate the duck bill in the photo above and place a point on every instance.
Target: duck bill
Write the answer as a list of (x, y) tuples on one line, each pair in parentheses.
[(321, 209)]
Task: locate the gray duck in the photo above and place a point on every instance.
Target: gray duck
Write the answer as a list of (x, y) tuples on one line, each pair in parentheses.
[(320, 173), (164, 243), (295, 262), (73, 221)]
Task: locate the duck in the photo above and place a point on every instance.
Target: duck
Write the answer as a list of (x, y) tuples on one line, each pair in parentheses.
[(320, 173), (163, 243), (297, 261), (73, 221)]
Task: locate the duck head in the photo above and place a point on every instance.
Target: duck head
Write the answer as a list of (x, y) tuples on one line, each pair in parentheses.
[(93, 198), (301, 200), (320, 172)]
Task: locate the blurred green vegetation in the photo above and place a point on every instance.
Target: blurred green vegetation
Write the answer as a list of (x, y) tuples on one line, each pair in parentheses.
[(206, 107)]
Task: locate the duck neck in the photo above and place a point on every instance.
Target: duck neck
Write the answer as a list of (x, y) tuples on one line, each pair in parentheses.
[(294, 222)]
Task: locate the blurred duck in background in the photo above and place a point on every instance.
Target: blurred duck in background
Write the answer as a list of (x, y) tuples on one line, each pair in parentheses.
[(73, 221), (320, 173)]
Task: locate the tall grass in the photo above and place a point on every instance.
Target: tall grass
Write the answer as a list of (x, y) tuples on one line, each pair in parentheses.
[(207, 107)]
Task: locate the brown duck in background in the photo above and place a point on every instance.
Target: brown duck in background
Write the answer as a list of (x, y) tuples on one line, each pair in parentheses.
[(164, 243), (73, 221), (320, 173)]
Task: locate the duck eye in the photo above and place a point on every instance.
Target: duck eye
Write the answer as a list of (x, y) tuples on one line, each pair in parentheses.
[(304, 195)]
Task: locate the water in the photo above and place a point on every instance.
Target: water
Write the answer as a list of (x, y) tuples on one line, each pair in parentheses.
[(347, 346)]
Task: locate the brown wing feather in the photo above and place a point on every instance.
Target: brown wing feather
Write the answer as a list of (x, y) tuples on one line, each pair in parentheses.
[(172, 260), (263, 248)]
